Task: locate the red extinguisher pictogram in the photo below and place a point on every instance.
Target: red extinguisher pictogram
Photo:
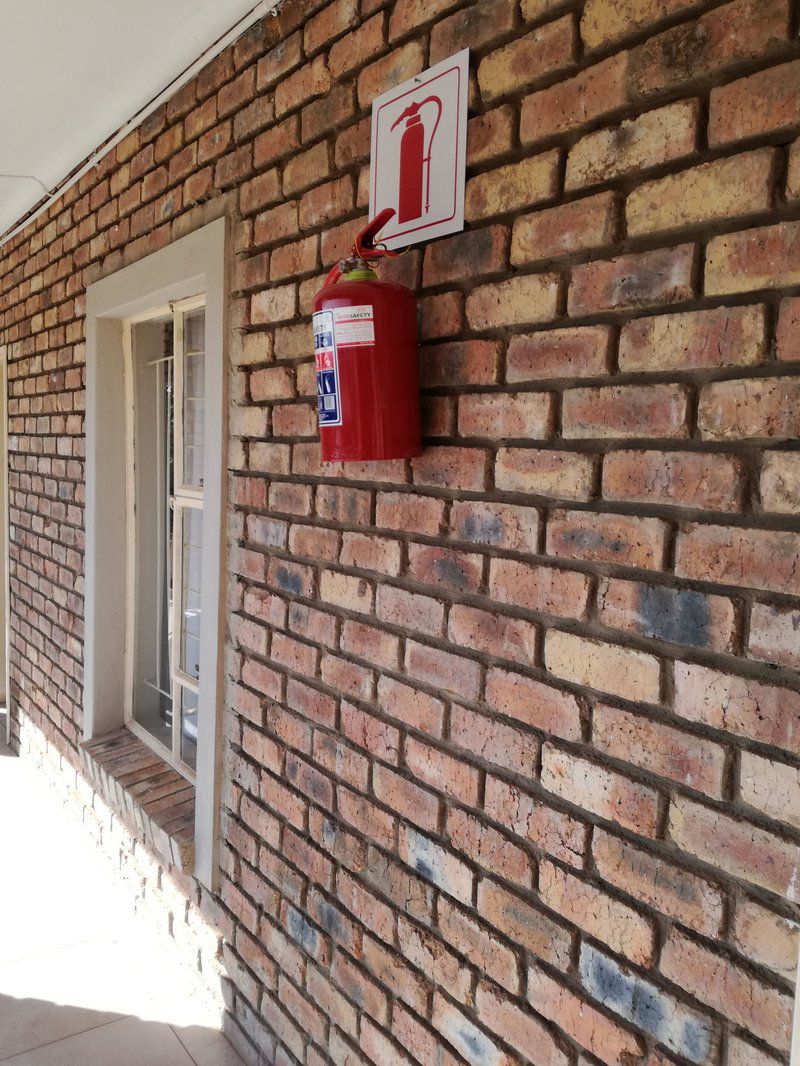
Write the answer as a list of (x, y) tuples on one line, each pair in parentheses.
[(366, 348), (415, 163)]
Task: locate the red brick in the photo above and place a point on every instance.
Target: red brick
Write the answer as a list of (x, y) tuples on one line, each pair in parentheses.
[(504, 525), (436, 864), (650, 878), (533, 703), (754, 105), (409, 705), (501, 415), (334, 20), (607, 794), (441, 669), (449, 467), (279, 61), (409, 800), (357, 47), (723, 336), (766, 937), (765, 1012), (278, 141), (474, 253), (626, 411), (766, 258), (688, 479), (400, 65), (524, 924), (597, 913), (660, 749), (543, 589), (516, 302), (787, 344), (496, 635), (512, 187), (312, 80), (494, 742), (331, 110), (473, 27), (567, 105), (541, 472), (478, 945), (410, 610), (753, 407), (755, 558), (572, 227), (773, 634), (488, 848), (578, 352), (490, 135), (424, 514), (679, 616), (529, 58), (741, 30), (625, 539), (644, 279), (460, 363), (445, 567)]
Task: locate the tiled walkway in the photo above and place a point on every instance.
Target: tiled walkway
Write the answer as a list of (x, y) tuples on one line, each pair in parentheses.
[(83, 981)]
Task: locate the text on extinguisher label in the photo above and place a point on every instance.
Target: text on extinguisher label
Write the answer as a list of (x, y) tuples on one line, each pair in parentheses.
[(329, 399), (354, 325)]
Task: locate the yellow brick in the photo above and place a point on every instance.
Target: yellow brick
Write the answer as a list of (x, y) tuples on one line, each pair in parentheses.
[(532, 298), (606, 667), (793, 177), (512, 187), (725, 188), (608, 20), (651, 139), (527, 59)]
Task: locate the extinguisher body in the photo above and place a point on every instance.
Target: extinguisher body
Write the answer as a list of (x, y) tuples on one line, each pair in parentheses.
[(367, 362), (412, 160)]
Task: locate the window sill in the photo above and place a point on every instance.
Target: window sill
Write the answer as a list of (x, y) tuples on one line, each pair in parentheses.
[(152, 798)]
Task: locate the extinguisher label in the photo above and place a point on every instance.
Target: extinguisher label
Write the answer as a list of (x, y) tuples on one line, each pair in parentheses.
[(329, 400), (355, 325)]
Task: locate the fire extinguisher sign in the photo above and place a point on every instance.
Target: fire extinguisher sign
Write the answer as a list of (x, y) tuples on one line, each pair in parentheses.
[(329, 399), (419, 147)]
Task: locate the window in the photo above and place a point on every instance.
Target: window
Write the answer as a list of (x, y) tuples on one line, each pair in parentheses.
[(155, 515), (165, 386)]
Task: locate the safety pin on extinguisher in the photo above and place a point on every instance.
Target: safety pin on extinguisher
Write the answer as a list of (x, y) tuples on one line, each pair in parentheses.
[(415, 164)]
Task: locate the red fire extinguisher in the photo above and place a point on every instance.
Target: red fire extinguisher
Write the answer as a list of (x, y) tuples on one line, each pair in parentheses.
[(415, 164), (366, 349)]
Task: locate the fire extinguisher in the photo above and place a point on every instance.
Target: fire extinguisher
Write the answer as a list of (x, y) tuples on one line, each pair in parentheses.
[(366, 349), (414, 162)]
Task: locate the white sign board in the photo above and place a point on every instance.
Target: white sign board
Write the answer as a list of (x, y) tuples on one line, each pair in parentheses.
[(419, 147)]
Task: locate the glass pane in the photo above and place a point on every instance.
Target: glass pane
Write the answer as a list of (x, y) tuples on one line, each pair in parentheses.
[(189, 727), (153, 431), (191, 570), (194, 410)]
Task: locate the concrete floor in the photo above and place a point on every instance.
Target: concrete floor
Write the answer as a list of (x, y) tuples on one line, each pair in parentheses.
[(83, 980)]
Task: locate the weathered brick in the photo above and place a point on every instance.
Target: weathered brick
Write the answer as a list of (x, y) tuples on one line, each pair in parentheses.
[(512, 187), (496, 635), (460, 363), (787, 344), (679, 616), (527, 59), (755, 558), (723, 336), (524, 923), (567, 105), (607, 794), (605, 21), (766, 937), (756, 104), (766, 258), (626, 411), (400, 65), (625, 539), (565, 475), (354, 49), (518, 1028), (754, 407), (774, 634), (520, 300), (442, 669), (771, 787), (594, 1031), (534, 703), (473, 253), (684, 896), (628, 673), (688, 479), (573, 227), (582, 351), (659, 749), (765, 1012), (738, 848), (495, 415), (490, 135), (737, 31), (493, 741), (671, 1022), (539, 588), (644, 279), (649, 140), (725, 188)]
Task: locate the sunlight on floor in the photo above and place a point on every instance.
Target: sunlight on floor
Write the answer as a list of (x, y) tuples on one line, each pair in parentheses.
[(83, 980)]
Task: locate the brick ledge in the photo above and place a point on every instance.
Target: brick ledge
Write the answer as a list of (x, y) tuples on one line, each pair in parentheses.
[(157, 804)]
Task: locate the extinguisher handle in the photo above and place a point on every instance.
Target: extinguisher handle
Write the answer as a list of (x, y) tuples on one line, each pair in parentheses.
[(364, 244), (365, 241)]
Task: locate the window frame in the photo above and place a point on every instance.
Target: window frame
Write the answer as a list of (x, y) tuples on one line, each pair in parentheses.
[(184, 495), (199, 262)]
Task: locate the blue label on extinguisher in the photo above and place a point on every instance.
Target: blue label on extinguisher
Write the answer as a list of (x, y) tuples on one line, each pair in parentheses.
[(329, 401)]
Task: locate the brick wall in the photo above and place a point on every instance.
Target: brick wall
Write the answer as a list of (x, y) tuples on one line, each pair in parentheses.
[(513, 730)]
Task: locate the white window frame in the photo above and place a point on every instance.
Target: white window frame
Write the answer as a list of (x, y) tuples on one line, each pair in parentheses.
[(184, 495), (196, 263)]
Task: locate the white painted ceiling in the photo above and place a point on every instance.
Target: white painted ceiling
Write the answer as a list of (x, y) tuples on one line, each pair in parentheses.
[(72, 72)]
